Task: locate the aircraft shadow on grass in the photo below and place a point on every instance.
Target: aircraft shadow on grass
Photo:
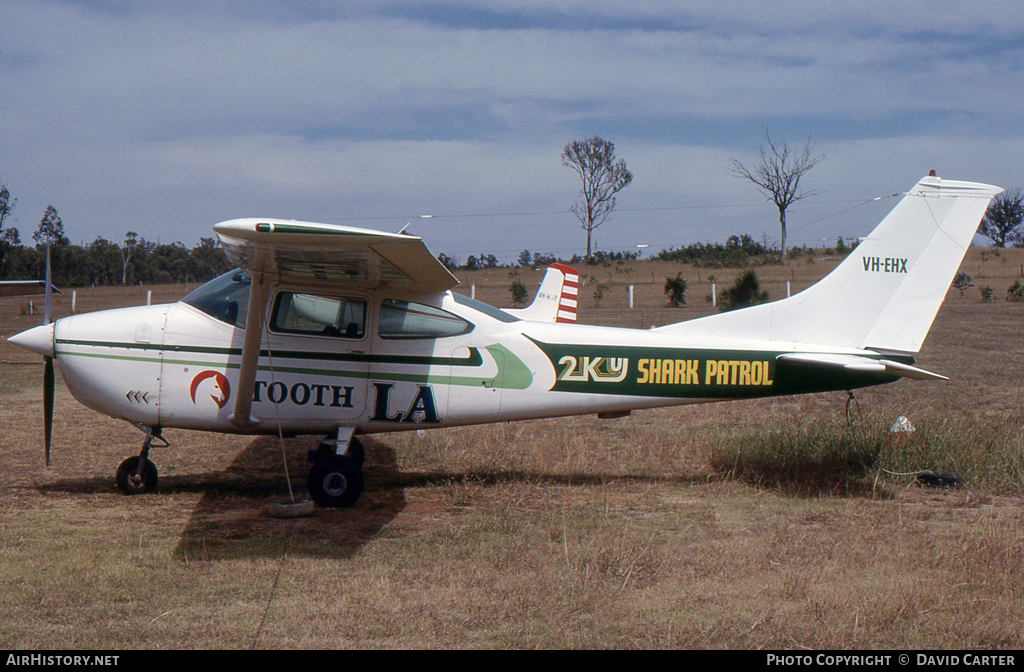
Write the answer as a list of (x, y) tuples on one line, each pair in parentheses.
[(230, 518), (230, 521)]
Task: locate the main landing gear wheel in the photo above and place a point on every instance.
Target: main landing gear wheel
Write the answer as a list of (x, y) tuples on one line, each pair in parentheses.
[(134, 478), (335, 481)]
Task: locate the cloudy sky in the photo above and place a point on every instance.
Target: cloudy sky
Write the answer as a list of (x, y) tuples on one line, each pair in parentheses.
[(167, 117)]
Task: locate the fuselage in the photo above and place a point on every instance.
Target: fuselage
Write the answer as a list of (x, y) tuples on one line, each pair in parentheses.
[(382, 361)]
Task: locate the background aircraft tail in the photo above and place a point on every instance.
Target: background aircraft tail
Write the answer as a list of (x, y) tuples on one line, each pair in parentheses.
[(886, 293), (556, 297)]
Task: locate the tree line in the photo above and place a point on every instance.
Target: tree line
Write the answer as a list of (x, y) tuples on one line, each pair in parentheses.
[(535, 260), (101, 262), (134, 259)]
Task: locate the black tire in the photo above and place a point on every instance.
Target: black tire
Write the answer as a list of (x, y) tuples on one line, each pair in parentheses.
[(130, 482), (335, 482)]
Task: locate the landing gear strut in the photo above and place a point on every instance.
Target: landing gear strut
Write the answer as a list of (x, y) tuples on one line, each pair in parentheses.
[(336, 477), (137, 475)]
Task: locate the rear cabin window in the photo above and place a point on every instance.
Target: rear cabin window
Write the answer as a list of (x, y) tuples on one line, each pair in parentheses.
[(339, 317), (405, 319)]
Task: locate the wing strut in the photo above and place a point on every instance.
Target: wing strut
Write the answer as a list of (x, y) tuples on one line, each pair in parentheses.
[(254, 324)]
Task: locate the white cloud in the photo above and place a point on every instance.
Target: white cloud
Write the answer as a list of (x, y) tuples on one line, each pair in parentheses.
[(166, 118)]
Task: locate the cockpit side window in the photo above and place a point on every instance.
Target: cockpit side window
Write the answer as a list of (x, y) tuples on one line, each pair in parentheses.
[(225, 298), (340, 317), (405, 319)]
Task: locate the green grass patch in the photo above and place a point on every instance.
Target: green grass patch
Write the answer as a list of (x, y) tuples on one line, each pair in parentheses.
[(827, 454)]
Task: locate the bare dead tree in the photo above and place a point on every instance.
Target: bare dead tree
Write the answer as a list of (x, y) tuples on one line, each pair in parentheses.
[(778, 172), (602, 176)]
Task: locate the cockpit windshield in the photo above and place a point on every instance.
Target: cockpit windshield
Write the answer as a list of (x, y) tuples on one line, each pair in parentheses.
[(225, 298)]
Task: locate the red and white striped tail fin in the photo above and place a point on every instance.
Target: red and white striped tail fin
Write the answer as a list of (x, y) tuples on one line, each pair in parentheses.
[(569, 292), (556, 299)]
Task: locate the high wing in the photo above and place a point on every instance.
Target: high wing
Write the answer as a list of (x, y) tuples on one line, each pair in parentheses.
[(311, 253), (23, 287)]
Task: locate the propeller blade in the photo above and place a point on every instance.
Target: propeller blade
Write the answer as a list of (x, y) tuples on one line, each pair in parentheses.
[(47, 364), (47, 404)]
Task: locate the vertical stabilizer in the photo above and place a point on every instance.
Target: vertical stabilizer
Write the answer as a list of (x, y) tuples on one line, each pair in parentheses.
[(886, 293)]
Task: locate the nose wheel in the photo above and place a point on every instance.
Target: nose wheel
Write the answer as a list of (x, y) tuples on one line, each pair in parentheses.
[(137, 475)]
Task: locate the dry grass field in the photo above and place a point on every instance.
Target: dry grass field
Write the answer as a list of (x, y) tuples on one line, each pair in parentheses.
[(768, 524)]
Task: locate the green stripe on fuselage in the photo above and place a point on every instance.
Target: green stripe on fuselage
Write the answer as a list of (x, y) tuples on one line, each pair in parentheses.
[(474, 358), (512, 372)]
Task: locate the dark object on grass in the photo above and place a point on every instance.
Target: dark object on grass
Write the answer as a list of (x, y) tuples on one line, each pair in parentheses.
[(938, 480)]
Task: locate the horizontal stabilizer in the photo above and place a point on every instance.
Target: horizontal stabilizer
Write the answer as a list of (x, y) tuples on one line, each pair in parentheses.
[(864, 364)]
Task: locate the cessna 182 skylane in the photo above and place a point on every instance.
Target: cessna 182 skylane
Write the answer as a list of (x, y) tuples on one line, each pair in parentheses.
[(341, 331)]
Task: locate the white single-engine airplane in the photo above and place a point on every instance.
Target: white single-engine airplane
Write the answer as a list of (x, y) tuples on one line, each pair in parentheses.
[(341, 331)]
